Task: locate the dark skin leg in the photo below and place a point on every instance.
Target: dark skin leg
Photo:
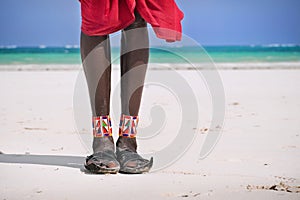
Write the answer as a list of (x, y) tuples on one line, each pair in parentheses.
[(95, 55), (134, 60)]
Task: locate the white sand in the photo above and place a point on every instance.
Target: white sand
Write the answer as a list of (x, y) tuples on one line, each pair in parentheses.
[(260, 143)]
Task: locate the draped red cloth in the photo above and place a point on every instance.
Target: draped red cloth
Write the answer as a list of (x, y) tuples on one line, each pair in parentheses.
[(102, 17)]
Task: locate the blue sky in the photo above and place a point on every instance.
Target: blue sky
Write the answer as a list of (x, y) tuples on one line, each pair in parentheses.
[(210, 22)]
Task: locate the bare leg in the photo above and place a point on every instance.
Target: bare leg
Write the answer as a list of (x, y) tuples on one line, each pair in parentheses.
[(134, 60), (95, 55)]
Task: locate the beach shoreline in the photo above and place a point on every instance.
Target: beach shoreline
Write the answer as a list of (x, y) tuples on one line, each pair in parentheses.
[(293, 65)]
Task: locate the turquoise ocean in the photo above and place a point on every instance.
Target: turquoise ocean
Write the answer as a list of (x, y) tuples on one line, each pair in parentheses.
[(13, 55)]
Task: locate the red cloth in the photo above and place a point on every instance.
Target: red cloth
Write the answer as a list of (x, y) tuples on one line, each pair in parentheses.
[(102, 17)]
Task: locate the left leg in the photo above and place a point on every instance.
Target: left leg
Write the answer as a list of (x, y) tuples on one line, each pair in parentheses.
[(134, 60)]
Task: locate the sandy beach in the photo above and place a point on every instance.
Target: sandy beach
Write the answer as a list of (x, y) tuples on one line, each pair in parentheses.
[(256, 157)]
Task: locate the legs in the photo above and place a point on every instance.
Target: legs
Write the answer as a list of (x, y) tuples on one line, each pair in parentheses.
[(95, 54)]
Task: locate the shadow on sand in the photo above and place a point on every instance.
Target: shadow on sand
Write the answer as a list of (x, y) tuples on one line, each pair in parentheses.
[(54, 160)]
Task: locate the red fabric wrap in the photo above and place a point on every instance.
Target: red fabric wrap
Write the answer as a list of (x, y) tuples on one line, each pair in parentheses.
[(102, 17)]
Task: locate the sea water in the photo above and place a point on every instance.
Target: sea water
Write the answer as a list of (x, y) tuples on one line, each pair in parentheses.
[(13, 55)]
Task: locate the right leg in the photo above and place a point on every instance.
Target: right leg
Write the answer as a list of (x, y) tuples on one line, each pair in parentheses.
[(95, 55)]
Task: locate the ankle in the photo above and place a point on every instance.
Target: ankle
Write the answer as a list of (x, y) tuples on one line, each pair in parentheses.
[(102, 133), (126, 143), (103, 143), (101, 126), (127, 133)]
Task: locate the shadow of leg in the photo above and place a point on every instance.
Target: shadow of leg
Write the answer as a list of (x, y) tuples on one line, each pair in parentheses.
[(54, 160)]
